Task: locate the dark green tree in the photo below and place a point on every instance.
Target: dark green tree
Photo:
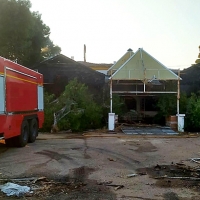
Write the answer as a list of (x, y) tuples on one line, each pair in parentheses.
[(75, 109), (86, 113), (167, 104), (23, 35)]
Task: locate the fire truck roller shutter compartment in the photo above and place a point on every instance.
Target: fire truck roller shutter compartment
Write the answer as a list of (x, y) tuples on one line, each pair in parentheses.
[(2, 94), (40, 98)]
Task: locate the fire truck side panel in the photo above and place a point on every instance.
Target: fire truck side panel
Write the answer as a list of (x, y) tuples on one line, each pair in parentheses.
[(21, 97), (40, 118), (2, 123), (1, 65), (23, 71), (20, 94), (12, 125)]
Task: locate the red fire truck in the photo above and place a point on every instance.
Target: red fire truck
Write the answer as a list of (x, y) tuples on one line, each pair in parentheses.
[(21, 103)]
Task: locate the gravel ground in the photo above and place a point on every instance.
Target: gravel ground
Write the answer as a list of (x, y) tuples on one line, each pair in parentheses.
[(95, 166)]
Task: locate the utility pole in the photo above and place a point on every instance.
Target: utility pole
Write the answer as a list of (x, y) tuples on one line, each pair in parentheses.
[(111, 93), (178, 91), (84, 53)]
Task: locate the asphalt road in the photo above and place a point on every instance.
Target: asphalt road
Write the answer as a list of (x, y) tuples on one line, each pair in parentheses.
[(97, 167)]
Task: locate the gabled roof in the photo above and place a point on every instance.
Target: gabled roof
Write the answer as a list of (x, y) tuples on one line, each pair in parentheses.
[(59, 70), (120, 62), (142, 66)]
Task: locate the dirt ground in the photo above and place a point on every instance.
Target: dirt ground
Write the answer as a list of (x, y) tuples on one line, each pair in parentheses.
[(108, 166)]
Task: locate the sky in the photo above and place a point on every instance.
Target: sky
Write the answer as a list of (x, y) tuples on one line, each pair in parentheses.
[(168, 30)]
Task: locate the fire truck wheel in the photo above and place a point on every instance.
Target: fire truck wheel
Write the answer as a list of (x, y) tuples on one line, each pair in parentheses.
[(22, 139), (33, 130)]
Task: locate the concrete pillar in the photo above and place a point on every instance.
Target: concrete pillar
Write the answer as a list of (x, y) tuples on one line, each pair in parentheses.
[(111, 121), (180, 122)]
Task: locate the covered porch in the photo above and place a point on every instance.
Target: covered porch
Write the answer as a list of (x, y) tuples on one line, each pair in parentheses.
[(140, 79)]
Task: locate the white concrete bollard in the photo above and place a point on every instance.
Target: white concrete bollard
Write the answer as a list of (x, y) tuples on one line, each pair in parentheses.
[(111, 121), (180, 122)]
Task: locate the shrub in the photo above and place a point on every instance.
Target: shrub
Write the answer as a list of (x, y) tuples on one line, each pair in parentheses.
[(167, 104), (192, 120), (85, 113)]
